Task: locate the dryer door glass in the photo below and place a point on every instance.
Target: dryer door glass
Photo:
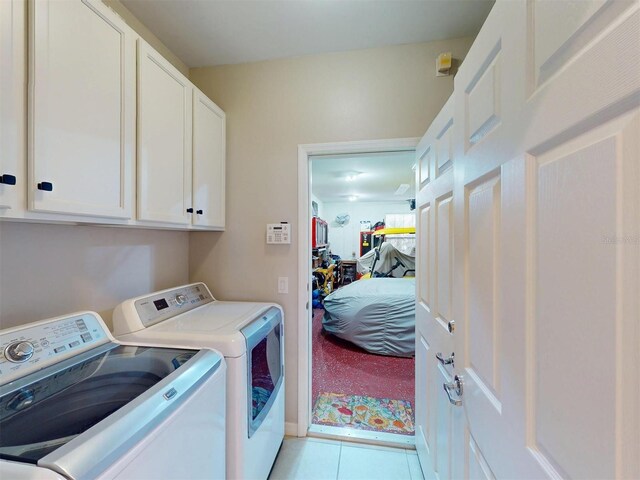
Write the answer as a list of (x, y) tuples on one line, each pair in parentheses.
[(265, 369)]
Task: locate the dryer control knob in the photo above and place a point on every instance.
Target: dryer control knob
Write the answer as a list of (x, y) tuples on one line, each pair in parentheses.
[(19, 352), (180, 299)]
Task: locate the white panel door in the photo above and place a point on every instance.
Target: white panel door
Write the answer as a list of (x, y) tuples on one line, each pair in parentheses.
[(13, 107), (547, 243), (424, 431), (81, 109), (165, 105), (434, 316), (209, 154)]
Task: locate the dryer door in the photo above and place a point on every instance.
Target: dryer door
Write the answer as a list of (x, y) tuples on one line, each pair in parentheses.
[(265, 369)]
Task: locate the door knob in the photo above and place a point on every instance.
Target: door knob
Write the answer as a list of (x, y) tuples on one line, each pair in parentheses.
[(199, 212), (455, 387), (446, 361), (189, 210), (45, 186)]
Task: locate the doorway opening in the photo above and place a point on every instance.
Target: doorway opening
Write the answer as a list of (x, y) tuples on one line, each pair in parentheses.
[(360, 325)]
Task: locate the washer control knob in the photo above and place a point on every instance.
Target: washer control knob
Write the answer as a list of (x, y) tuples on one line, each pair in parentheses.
[(19, 352), (180, 299)]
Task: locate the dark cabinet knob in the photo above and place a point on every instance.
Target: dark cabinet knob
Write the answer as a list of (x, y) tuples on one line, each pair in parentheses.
[(189, 210), (8, 179), (45, 186), (199, 212)]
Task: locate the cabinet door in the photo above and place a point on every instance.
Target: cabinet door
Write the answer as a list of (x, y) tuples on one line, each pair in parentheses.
[(81, 110), (208, 162), (12, 104), (164, 140)]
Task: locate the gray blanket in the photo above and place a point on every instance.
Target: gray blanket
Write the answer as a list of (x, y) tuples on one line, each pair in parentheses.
[(376, 314)]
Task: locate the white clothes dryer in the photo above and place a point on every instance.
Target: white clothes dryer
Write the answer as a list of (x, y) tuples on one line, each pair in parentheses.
[(76, 404), (251, 338)]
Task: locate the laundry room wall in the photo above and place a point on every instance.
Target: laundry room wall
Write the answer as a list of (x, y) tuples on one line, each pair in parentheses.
[(50, 270), (272, 107), (142, 30)]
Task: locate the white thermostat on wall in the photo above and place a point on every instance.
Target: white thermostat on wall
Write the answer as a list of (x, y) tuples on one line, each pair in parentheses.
[(278, 233)]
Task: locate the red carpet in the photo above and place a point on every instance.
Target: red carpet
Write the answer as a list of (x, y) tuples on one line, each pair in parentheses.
[(341, 367)]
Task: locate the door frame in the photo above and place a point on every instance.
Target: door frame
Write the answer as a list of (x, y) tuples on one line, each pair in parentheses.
[(304, 253)]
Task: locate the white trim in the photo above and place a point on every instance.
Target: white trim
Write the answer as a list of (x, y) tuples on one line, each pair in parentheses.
[(385, 439), (304, 295), (304, 261), (290, 429)]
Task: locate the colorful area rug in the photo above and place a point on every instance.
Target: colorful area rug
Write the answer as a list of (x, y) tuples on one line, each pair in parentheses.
[(364, 413)]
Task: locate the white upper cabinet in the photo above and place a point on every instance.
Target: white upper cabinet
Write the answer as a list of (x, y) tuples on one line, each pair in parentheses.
[(12, 104), (164, 140), (92, 117), (208, 162), (81, 109), (181, 148)]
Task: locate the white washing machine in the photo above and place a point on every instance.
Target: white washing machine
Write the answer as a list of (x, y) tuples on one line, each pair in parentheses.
[(250, 336), (77, 404)]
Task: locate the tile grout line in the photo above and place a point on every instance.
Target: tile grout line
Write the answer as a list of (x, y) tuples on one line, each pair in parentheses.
[(406, 456), (339, 460)]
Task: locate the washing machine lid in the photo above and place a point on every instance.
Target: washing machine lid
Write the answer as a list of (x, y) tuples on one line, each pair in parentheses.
[(77, 409), (215, 325), (79, 416)]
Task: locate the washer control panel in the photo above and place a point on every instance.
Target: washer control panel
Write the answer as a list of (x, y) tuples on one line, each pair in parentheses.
[(34, 346), (162, 306)]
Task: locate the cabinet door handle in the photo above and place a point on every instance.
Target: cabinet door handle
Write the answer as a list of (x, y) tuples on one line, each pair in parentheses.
[(45, 186), (189, 210), (199, 212), (8, 179)]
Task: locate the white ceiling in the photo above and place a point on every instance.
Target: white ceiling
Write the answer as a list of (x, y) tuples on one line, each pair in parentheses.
[(380, 175), (217, 32)]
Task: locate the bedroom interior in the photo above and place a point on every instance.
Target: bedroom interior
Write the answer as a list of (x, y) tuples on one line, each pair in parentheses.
[(363, 320)]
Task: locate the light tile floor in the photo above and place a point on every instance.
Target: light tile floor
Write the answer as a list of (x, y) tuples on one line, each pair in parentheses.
[(319, 459)]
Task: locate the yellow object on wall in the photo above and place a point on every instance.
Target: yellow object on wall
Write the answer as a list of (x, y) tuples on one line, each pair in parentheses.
[(443, 64)]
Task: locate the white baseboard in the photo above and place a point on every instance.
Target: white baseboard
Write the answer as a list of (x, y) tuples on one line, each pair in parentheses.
[(291, 429)]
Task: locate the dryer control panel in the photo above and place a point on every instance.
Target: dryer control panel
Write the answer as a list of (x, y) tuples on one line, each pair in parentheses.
[(169, 303), (29, 348)]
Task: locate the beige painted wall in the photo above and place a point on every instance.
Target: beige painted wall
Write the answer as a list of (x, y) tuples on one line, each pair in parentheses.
[(271, 108), (146, 34), (50, 270)]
